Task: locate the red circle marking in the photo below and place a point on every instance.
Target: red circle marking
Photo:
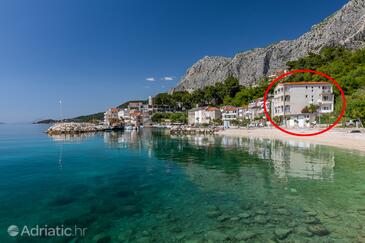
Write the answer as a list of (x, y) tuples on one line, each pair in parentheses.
[(305, 71)]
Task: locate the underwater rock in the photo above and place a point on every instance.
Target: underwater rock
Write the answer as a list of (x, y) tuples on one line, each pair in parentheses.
[(180, 236), (260, 219), (302, 231), (101, 238), (318, 229), (223, 217), (245, 235), (213, 214), (212, 208), (234, 219), (216, 236), (311, 213), (311, 220), (246, 206), (283, 211), (356, 226), (330, 214), (261, 212), (244, 215), (282, 233)]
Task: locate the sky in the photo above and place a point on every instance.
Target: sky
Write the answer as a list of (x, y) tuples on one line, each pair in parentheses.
[(96, 54)]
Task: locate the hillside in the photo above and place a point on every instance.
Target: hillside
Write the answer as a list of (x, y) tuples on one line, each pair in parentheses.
[(346, 27)]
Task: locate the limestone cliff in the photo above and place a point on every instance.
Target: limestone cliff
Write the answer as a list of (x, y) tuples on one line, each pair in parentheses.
[(346, 27)]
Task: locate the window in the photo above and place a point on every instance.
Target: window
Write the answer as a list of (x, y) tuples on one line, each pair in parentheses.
[(306, 87), (306, 96)]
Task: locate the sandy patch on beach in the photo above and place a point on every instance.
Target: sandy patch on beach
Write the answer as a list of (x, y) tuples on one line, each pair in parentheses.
[(336, 137)]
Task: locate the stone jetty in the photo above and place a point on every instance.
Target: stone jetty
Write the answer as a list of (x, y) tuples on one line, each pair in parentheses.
[(74, 127), (183, 130)]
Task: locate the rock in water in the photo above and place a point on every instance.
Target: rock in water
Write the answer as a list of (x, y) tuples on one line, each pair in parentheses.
[(74, 127), (318, 229), (245, 235), (345, 27), (281, 234), (216, 236)]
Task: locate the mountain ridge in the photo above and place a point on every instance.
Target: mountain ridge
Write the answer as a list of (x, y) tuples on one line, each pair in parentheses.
[(345, 27)]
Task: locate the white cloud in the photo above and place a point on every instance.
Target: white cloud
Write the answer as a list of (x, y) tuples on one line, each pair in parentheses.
[(168, 78), (151, 79)]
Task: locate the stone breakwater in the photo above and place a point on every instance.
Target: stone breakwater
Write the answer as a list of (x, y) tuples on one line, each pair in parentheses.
[(74, 127), (191, 130)]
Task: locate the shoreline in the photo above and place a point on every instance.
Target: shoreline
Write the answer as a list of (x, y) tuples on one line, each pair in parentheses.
[(334, 138)]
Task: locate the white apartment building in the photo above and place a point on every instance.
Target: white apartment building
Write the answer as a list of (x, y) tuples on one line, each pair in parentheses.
[(203, 115), (290, 99)]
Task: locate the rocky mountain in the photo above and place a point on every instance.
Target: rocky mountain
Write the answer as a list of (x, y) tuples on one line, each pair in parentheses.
[(346, 27)]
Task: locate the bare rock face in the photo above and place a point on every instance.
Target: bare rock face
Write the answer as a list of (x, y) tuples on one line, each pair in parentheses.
[(346, 27)]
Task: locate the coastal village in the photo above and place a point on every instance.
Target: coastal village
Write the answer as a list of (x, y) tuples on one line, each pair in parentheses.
[(300, 103), (292, 105)]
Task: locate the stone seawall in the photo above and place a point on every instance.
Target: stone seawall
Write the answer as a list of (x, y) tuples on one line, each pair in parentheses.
[(191, 131), (74, 127)]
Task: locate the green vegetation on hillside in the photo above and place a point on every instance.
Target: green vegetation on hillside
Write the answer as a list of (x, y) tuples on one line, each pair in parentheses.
[(227, 93), (89, 118), (173, 117)]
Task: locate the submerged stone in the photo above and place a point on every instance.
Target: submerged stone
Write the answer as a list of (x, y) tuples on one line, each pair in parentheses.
[(246, 206), (261, 212), (213, 214), (216, 236), (283, 211), (311, 220), (245, 235), (318, 229), (244, 215), (281, 234), (302, 231), (234, 219), (223, 217), (260, 219), (330, 214), (311, 213)]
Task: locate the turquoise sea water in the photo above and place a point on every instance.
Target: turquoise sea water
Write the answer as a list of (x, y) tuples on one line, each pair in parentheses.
[(149, 187)]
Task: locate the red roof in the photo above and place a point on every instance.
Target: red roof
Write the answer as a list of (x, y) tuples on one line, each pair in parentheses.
[(135, 113), (114, 109), (229, 108)]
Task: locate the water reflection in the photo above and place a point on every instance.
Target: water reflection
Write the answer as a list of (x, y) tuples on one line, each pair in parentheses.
[(287, 158), (173, 186), (77, 137)]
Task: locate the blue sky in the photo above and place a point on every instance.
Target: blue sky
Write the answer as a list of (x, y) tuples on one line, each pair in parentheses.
[(98, 54)]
